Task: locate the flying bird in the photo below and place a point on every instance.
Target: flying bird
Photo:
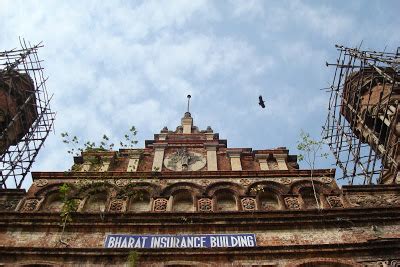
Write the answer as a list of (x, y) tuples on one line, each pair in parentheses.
[(261, 102)]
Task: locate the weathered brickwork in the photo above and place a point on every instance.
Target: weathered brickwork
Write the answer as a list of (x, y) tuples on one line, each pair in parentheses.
[(349, 226)]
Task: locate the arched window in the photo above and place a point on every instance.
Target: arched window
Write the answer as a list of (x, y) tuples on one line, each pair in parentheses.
[(37, 265), (182, 201), (53, 203), (139, 201), (324, 264), (307, 194), (96, 202), (226, 201), (268, 201)]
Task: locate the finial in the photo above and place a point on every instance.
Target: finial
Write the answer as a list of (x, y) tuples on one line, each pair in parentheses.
[(188, 103)]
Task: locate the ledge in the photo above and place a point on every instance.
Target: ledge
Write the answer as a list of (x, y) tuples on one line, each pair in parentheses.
[(185, 174), (220, 220)]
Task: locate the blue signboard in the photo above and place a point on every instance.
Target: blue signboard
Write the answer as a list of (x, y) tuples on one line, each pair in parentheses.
[(180, 241)]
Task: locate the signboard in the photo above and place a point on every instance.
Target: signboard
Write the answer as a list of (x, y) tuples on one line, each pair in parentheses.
[(180, 241)]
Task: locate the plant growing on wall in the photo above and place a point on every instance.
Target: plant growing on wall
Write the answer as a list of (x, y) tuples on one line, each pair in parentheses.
[(311, 150), (69, 206), (133, 258), (76, 147)]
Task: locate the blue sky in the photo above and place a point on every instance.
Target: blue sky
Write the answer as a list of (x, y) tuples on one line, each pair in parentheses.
[(113, 64)]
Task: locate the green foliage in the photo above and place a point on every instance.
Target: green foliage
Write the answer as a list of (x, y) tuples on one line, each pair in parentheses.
[(129, 138), (69, 204), (76, 147), (258, 188), (133, 258), (156, 169), (310, 149), (132, 193)]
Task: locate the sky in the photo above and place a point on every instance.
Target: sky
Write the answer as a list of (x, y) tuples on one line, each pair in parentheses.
[(114, 64)]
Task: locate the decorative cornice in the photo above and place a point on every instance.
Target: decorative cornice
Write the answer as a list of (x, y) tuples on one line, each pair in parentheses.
[(186, 174)]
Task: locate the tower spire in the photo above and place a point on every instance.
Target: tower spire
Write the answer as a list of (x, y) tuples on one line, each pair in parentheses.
[(187, 120), (188, 103)]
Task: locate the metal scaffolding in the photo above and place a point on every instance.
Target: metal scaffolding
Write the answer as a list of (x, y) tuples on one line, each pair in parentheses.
[(360, 128), (26, 117)]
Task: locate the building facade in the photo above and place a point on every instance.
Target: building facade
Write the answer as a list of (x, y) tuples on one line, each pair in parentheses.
[(187, 199)]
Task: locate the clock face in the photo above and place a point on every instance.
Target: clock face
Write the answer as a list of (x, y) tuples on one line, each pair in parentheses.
[(184, 160)]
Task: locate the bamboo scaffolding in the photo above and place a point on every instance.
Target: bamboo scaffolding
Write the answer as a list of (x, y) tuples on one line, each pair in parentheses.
[(359, 127), (17, 159)]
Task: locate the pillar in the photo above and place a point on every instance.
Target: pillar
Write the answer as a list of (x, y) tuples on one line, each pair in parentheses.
[(158, 156), (281, 160), (212, 164), (234, 155)]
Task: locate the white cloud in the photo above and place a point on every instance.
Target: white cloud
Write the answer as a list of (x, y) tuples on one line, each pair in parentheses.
[(247, 8), (115, 64)]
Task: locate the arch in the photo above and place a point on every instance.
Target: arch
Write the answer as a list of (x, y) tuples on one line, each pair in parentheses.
[(272, 186), (150, 188), (96, 202), (98, 186), (320, 188), (309, 198), (268, 200), (236, 188), (192, 187), (37, 265), (183, 201), (225, 200), (139, 201), (49, 189), (325, 262), (53, 202)]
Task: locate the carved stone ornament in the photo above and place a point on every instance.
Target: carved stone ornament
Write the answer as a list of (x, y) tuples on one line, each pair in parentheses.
[(245, 182), (162, 182), (387, 263), (386, 200), (117, 205), (121, 182), (335, 201), (160, 204), (285, 181), (8, 205), (83, 182), (326, 180), (41, 182), (205, 204), (292, 203), (30, 205), (248, 203), (205, 182), (184, 160)]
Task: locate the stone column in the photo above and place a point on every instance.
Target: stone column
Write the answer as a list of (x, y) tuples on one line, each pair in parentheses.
[(158, 156), (234, 155), (262, 160), (162, 136), (281, 160), (187, 123), (133, 162), (212, 164), (86, 166), (209, 136), (105, 165)]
